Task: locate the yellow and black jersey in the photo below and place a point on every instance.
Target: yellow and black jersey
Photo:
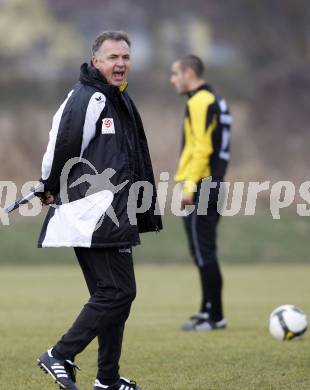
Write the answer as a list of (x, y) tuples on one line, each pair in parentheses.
[(206, 138)]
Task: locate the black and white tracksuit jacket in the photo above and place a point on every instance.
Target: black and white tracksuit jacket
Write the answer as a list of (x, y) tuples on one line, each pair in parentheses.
[(96, 151)]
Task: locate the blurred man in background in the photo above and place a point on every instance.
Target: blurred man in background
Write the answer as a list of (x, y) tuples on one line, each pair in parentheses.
[(205, 153), (100, 127)]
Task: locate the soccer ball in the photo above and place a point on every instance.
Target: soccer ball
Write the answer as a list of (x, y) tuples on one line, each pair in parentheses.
[(287, 322)]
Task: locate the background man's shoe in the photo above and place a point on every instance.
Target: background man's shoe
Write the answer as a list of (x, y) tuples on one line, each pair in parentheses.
[(123, 384), (190, 325), (204, 324), (62, 371)]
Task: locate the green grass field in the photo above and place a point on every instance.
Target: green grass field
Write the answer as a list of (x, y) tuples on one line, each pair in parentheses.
[(156, 353), (247, 240)]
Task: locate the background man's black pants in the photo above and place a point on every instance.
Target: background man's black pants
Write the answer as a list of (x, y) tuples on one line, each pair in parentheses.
[(110, 279), (201, 231)]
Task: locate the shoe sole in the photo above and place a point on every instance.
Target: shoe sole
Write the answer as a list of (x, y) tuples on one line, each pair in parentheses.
[(207, 330), (47, 371), (195, 329)]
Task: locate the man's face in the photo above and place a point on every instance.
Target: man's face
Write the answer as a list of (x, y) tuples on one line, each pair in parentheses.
[(179, 78), (113, 61)]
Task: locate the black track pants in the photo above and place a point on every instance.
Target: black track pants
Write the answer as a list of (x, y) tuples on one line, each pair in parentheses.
[(110, 279), (201, 231)]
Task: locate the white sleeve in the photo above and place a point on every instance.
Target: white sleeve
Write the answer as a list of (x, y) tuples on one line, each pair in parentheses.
[(94, 109), (48, 157)]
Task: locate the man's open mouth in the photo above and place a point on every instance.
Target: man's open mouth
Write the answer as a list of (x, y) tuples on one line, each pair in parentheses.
[(118, 74)]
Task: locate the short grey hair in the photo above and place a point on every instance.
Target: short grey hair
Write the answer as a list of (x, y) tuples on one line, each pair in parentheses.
[(113, 35)]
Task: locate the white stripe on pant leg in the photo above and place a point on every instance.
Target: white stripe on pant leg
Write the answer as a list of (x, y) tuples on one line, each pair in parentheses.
[(195, 240)]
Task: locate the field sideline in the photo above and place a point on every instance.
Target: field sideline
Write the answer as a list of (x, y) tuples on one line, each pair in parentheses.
[(38, 303)]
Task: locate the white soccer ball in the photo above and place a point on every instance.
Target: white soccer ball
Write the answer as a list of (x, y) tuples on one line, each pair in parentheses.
[(287, 322)]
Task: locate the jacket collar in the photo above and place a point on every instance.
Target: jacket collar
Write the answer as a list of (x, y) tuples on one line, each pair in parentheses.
[(123, 87), (204, 86)]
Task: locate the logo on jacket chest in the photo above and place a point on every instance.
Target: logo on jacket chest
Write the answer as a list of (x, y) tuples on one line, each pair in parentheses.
[(108, 126)]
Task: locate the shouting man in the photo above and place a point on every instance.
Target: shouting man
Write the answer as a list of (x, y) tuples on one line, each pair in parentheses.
[(97, 129)]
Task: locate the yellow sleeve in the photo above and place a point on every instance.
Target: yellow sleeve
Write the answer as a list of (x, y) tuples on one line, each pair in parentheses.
[(202, 147)]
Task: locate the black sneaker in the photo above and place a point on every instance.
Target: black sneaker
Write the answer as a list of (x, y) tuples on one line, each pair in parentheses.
[(201, 321), (62, 371), (123, 384)]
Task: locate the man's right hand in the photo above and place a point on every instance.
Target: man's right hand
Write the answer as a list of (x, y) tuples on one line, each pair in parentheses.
[(47, 198)]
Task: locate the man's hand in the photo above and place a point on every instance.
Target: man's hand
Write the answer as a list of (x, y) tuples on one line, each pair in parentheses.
[(187, 199), (47, 198)]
